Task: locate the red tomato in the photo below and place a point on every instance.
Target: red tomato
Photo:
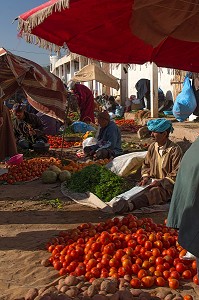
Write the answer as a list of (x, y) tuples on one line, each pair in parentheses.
[(173, 283), (157, 273), (155, 252), (175, 275), (166, 274), (151, 270), (148, 245), (57, 265), (95, 272), (160, 281), (109, 249), (91, 264), (121, 272), (114, 229), (158, 244), (62, 271), (166, 265), (147, 281), (194, 264), (146, 265), (159, 261), (142, 273), (160, 268), (180, 267), (138, 261), (126, 263), (195, 279), (187, 297), (113, 262), (135, 283), (187, 274), (135, 268), (129, 251), (141, 239), (132, 243), (152, 237), (80, 269), (119, 253), (168, 259)]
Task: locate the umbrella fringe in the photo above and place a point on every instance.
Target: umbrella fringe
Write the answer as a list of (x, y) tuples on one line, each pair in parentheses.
[(32, 39), (38, 17)]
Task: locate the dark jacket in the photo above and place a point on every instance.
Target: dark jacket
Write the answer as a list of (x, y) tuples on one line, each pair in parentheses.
[(111, 133), (21, 127)]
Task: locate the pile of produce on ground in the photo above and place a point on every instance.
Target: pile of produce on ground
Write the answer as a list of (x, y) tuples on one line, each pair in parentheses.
[(135, 146), (50, 169), (73, 166), (28, 169), (142, 252), (72, 287), (56, 142), (127, 125), (98, 180)]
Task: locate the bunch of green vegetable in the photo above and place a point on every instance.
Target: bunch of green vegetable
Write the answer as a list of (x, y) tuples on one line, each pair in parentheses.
[(98, 180)]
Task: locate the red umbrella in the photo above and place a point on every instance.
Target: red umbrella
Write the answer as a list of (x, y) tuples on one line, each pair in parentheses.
[(160, 19), (103, 30), (44, 90)]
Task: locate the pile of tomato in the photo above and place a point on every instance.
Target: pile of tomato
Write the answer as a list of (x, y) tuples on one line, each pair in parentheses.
[(28, 169), (127, 125), (56, 142), (149, 253)]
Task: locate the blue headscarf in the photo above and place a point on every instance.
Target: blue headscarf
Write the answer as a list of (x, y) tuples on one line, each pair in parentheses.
[(159, 125)]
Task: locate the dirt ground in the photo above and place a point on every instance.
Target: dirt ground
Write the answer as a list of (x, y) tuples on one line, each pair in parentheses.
[(31, 214)]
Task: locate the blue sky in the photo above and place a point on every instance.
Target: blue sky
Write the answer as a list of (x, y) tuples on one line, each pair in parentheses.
[(9, 10)]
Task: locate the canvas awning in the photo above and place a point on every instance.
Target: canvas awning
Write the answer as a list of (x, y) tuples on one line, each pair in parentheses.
[(44, 91), (94, 72)]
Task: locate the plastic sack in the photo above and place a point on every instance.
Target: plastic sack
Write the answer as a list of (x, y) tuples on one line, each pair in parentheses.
[(126, 164), (81, 127), (185, 103), (90, 141), (119, 111)]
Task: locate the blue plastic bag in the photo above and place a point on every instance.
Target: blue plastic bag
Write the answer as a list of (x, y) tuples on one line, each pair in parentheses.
[(185, 103), (119, 112), (81, 127)]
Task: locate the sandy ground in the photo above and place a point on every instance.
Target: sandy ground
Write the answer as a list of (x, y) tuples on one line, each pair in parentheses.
[(29, 217)]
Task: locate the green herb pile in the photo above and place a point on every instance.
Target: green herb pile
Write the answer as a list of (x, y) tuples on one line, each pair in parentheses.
[(98, 180)]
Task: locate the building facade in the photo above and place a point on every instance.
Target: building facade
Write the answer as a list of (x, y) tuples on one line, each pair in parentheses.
[(65, 67)]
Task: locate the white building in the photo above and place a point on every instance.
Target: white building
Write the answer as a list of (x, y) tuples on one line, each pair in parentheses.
[(128, 75)]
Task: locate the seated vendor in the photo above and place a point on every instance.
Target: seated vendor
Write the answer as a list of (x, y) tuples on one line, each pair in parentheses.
[(109, 139), (158, 171), (28, 128)]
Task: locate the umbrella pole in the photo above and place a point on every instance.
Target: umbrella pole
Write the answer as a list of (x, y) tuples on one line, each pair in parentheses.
[(65, 124)]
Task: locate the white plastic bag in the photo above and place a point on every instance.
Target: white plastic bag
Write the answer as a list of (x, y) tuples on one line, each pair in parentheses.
[(90, 141), (125, 164)]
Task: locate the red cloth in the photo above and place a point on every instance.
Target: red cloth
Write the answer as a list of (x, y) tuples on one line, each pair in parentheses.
[(85, 102), (103, 30)]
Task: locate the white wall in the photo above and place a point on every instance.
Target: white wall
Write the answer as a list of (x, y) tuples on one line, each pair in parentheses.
[(136, 72)]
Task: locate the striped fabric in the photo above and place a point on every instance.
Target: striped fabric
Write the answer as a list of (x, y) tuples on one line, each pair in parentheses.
[(44, 91)]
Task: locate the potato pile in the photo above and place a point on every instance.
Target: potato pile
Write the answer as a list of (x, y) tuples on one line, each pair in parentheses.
[(71, 287)]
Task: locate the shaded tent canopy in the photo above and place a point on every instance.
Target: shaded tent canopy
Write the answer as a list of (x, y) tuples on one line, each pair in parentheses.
[(155, 20), (44, 91), (94, 72), (103, 30)]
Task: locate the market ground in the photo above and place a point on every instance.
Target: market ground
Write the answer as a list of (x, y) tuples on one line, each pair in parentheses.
[(31, 214)]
